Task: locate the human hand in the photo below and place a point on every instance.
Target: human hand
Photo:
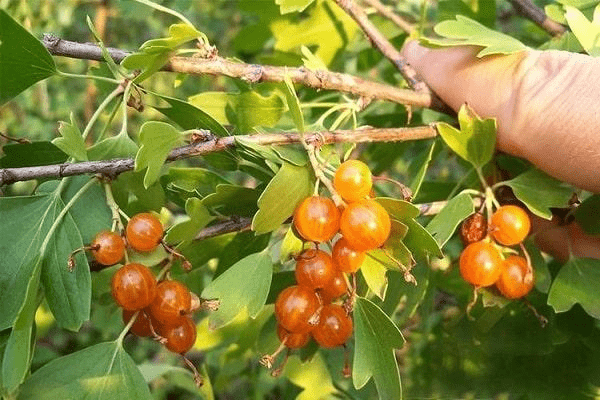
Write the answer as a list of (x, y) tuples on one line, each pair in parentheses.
[(547, 105)]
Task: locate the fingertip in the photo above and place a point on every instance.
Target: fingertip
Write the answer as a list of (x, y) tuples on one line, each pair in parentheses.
[(414, 53)]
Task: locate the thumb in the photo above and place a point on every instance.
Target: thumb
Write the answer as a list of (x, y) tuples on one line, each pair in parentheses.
[(545, 103)]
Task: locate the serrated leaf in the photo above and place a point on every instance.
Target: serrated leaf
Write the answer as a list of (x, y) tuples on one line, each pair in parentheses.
[(326, 26), (31, 155), (236, 292), (443, 225), (312, 376), (578, 281), (157, 139), (587, 32), (540, 192), (71, 141), (23, 59), (198, 218), (587, 215), (156, 52), (376, 337), (103, 372), (285, 191), (465, 31), (289, 6), (475, 141), (374, 273), (188, 116), (291, 245)]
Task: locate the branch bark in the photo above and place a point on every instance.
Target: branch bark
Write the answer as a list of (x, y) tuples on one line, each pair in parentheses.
[(529, 10), (392, 16), (112, 168), (253, 73)]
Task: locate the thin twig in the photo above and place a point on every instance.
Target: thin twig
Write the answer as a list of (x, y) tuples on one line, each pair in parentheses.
[(253, 73), (390, 52), (391, 15), (113, 168), (530, 11)]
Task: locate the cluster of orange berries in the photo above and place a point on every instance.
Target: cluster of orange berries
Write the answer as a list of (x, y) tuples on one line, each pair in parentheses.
[(482, 262), (162, 309), (307, 309)]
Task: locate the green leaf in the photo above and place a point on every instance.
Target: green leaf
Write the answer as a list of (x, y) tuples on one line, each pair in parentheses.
[(20, 253), (71, 141), (23, 59), (443, 225), (143, 199), (246, 110), (587, 215), (31, 155), (578, 281), (198, 218), (313, 377), (19, 346), (540, 192), (233, 200), (293, 155), (294, 104), (236, 292), (465, 31), (189, 117), (543, 279), (376, 337), (476, 139), (291, 245), (102, 372), (120, 146), (326, 26), (282, 195), (289, 6), (156, 52), (406, 293), (399, 209), (418, 168), (374, 273), (157, 139), (587, 32)]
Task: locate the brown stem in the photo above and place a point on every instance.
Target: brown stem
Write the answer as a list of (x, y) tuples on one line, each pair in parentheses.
[(197, 377), (389, 51), (530, 11), (253, 73), (541, 319), (113, 168), (391, 15)]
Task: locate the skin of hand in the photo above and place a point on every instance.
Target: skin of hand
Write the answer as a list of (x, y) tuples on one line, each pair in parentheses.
[(547, 105)]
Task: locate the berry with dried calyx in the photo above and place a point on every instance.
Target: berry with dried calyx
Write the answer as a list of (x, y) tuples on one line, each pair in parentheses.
[(173, 302), (107, 248), (334, 328), (516, 279), (294, 307)]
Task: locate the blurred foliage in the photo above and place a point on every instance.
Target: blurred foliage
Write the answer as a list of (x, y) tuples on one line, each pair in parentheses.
[(502, 354)]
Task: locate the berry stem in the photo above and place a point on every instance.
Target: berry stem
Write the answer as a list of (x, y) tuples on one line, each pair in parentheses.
[(407, 193), (197, 377), (112, 95), (127, 327), (541, 319), (408, 276)]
